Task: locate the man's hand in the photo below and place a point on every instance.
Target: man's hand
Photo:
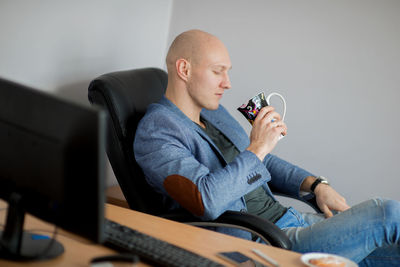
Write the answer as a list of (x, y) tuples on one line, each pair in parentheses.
[(267, 128), (328, 199)]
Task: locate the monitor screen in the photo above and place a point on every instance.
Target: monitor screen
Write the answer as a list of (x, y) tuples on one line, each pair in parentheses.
[(51, 163)]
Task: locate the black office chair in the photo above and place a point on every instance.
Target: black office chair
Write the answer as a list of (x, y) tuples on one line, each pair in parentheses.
[(126, 95)]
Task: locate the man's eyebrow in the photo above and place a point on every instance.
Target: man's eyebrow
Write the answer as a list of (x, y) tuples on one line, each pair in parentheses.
[(222, 67)]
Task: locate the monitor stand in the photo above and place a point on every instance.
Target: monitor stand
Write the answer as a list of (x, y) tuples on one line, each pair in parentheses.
[(19, 245)]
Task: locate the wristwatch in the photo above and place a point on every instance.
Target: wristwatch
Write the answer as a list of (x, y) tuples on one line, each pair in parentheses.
[(319, 180)]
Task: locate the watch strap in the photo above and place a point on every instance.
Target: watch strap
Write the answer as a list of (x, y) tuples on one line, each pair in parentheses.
[(317, 182)]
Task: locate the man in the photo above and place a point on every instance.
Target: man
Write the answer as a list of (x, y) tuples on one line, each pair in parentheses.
[(195, 154)]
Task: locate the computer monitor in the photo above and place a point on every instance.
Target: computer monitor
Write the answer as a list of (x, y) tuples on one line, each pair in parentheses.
[(52, 166)]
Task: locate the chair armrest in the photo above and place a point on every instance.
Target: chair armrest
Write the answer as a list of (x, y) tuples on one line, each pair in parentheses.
[(309, 199), (266, 230), (272, 233)]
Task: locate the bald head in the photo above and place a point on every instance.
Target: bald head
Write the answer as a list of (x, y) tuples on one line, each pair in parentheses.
[(190, 45), (198, 65)]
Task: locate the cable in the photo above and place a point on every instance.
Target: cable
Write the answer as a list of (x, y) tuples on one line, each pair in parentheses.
[(42, 255)]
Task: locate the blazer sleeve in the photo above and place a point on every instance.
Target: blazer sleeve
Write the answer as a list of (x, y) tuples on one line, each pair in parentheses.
[(285, 176)]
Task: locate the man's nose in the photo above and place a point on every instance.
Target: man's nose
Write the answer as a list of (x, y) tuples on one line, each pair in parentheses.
[(226, 83)]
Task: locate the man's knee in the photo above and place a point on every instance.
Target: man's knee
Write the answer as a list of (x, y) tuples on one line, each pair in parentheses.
[(391, 209)]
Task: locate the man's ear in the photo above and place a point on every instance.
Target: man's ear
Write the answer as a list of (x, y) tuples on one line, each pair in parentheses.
[(183, 69)]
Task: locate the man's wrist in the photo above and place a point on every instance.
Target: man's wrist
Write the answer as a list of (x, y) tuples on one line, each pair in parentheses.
[(260, 154), (306, 183), (319, 180)]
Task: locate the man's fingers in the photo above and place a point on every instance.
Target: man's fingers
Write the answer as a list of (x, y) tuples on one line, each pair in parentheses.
[(261, 114), (343, 206), (328, 213), (268, 114)]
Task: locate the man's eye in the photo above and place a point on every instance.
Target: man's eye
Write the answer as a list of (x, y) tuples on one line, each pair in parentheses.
[(217, 72)]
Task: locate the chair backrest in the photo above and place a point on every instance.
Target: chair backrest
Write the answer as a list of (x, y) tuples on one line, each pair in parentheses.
[(126, 96)]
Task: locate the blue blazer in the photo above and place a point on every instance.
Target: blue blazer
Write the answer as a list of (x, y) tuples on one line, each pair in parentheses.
[(182, 163)]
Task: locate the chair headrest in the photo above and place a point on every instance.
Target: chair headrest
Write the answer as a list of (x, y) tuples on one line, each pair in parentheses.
[(128, 93)]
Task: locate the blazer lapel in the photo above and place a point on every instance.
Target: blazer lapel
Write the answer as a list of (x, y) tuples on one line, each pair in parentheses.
[(186, 122), (225, 128)]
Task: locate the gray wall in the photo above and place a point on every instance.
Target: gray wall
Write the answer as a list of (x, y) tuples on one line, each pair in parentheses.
[(60, 46), (336, 62)]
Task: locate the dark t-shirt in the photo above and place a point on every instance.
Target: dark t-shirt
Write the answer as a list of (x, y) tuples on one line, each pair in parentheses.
[(258, 201)]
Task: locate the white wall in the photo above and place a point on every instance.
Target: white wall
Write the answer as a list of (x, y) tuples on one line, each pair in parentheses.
[(60, 46), (337, 63)]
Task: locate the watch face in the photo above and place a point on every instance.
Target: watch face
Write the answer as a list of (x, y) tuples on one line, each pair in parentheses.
[(323, 180)]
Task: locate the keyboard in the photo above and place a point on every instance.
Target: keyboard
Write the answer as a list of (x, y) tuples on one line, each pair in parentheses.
[(150, 249)]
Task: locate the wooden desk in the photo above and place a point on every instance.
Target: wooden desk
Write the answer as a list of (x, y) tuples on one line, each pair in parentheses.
[(78, 252)]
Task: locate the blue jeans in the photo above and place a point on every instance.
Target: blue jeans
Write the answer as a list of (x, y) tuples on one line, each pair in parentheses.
[(368, 233)]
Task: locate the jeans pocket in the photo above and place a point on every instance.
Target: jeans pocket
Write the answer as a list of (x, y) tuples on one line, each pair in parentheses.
[(292, 218)]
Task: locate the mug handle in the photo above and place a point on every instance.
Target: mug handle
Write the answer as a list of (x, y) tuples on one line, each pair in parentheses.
[(283, 101)]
